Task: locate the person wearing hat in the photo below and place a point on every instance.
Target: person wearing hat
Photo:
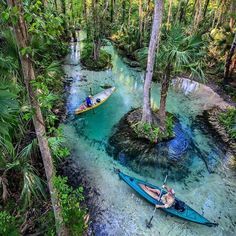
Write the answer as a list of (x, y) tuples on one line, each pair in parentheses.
[(167, 199), (89, 101)]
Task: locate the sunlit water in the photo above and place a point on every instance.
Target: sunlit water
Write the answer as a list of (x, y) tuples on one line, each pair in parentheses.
[(212, 194)]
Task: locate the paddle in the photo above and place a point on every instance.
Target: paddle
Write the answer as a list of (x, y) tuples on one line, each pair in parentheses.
[(149, 223)]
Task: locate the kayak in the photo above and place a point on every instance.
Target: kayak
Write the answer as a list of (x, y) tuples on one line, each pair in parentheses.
[(97, 100), (185, 212)]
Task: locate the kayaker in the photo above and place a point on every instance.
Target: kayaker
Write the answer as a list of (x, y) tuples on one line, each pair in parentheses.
[(167, 199), (89, 101)]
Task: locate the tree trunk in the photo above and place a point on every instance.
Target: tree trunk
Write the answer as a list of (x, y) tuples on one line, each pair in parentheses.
[(55, 3), (63, 6), (182, 14), (232, 15), (146, 19), (222, 11), (140, 12), (169, 15), (164, 90), (112, 11), (153, 45), (216, 14), (96, 30), (205, 8), (85, 15), (198, 15), (129, 17), (123, 11), (21, 34), (96, 49), (228, 61)]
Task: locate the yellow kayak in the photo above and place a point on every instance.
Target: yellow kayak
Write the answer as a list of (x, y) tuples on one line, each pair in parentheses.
[(97, 100)]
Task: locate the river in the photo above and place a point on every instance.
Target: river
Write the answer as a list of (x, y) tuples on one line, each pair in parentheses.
[(124, 212)]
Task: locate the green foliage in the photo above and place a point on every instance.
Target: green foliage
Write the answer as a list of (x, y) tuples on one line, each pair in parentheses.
[(228, 120), (30, 185), (103, 62), (141, 56), (147, 131), (70, 200), (152, 131), (8, 113), (184, 53), (57, 145), (127, 39), (169, 126), (46, 223), (8, 224)]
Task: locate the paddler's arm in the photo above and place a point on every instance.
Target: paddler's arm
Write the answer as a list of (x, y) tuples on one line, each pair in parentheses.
[(163, 206)]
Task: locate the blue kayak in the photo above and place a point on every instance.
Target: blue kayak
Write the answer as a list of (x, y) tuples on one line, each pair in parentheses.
[(179, 208)]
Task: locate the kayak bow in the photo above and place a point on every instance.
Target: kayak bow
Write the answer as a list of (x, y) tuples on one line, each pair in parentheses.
[(187, 213)]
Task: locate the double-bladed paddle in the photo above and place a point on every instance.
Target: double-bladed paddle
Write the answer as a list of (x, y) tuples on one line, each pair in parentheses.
[(149, 223)]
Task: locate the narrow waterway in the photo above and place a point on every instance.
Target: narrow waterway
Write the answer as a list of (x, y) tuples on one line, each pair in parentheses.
[(211, 193)]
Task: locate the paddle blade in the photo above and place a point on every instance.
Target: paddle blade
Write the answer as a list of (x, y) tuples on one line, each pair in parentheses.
[(149, 223)]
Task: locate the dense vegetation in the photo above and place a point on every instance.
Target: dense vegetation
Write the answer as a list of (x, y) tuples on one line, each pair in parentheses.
[(196, 38), (228, 120), (22, 178)]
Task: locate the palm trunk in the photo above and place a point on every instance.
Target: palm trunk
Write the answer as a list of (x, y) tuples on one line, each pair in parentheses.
[(164, 90), (130, 9), (21, 34), (216, 14), (205, 8), (232, 13), (228, 61), (153, 45), (182, 16), (96, 49), (96, 30), (169, 15), (63, 6), (198, 15), (112, 11), (55, 3), (123, 11), (146, 18), (140, 23)]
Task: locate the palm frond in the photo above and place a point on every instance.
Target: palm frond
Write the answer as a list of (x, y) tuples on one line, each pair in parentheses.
[(32, 186)]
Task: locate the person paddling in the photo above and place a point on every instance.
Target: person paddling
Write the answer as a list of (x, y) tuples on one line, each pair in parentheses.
[(88, 100), (167, 199)]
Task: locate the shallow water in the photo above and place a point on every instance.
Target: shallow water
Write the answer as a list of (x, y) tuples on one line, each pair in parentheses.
[(124, 211)]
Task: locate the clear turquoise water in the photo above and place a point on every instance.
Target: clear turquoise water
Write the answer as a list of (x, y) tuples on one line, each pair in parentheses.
[(124, 211)]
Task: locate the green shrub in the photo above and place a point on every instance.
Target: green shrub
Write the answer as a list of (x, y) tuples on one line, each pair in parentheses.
[(146, 130), (228, 120), (8, 224), (72, 213), (87, 60), (152, 132), (46, 223), (169, 126)]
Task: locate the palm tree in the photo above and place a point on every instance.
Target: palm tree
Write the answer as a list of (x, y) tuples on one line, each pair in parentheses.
[(178, 53), (22, 38), (153, 45)]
